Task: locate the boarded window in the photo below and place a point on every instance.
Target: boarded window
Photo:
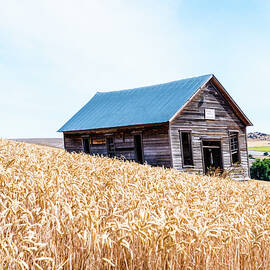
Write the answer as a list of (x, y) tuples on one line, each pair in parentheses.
[(234, 144), (86, 145), (187, 156)]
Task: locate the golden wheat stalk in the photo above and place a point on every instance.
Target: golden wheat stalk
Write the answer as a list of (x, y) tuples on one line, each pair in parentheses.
[(75, 211)]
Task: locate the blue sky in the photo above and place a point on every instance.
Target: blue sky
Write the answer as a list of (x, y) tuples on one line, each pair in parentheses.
[(54, 55)]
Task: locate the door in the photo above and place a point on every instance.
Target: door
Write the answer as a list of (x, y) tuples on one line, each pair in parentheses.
[(138, 148), (212, 156)]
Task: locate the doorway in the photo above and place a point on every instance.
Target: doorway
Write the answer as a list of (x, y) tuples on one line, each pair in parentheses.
[(212, 156), (138, 148), (110, 146), (86, 145)]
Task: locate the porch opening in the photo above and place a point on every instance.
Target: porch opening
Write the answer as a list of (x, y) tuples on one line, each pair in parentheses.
[(212, 156)]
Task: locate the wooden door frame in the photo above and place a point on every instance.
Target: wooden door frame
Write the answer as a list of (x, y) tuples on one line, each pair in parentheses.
[(221, 151)]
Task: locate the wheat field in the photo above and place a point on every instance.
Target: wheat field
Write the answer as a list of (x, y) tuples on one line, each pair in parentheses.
[(74, 211)]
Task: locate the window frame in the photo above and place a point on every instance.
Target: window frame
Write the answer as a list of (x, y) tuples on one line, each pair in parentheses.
[(182, 150), (233, 133)]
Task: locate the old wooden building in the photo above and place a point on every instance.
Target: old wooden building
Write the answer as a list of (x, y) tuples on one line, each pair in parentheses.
[(191, 124)]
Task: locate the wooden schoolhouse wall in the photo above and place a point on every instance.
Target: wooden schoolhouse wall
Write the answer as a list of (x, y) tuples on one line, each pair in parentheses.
[(192, 118), (155, 143), (161, 144)]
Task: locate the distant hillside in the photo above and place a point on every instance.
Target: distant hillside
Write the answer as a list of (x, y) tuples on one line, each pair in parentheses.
[(52, 142), (75, 211), (258, 136)]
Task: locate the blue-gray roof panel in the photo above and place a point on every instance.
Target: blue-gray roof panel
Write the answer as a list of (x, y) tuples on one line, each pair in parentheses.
[(144, 105)]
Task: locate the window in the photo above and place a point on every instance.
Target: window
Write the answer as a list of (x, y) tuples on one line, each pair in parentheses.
[(86, 145), (97, 140), (110, 146), (185, 137), (234, 144)]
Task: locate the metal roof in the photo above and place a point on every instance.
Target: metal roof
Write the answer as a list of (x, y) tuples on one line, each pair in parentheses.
[(144, 105)]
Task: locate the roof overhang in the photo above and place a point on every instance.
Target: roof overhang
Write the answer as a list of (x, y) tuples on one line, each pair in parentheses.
[(118, 128)]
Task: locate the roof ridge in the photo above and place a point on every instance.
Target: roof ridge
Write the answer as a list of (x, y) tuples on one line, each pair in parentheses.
[(154, 85)]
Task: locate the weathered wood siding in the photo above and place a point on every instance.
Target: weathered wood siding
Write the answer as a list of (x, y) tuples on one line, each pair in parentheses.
[(193, 118), (156, 146), (161, 143), (73, 143), (155, 143)]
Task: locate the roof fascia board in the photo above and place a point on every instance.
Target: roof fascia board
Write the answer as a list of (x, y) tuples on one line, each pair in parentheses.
[(189, 100)]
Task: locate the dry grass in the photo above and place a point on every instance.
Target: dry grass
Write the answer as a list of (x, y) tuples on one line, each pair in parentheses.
[(73, 211), (258, 143)]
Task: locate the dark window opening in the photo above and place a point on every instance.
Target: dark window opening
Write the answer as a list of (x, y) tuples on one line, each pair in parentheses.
[(186, 148), (234, 144), (110, 146), (138, 149), (211, 144), (86, 146)]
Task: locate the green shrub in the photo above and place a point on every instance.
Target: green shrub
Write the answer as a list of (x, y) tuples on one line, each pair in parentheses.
[(260, 169)]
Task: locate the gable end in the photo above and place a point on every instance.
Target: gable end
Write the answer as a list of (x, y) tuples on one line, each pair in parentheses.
[(232, 103), (218, 87)]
